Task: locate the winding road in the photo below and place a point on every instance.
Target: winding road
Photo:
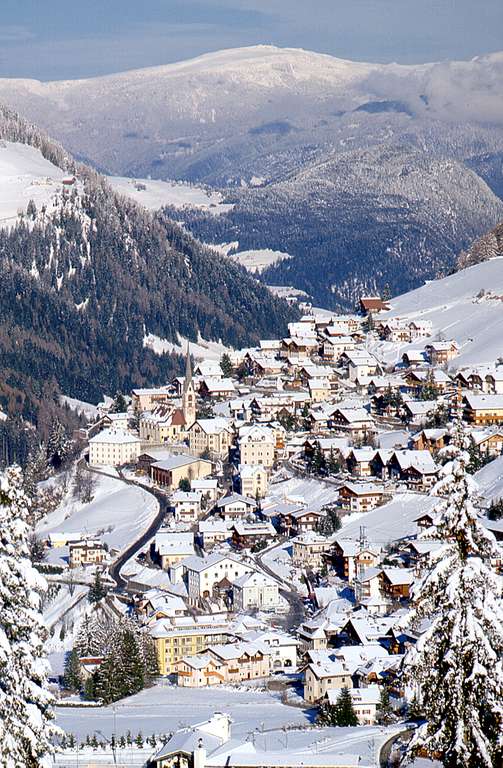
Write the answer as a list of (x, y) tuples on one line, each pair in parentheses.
[(135, 546)]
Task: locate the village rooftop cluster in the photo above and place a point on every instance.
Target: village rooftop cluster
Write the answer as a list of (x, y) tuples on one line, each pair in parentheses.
[(293, 483)]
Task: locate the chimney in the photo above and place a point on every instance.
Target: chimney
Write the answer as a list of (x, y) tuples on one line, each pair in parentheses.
[(199, 755)]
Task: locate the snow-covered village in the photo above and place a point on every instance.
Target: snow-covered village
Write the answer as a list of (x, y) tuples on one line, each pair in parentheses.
[(266, 559), (251, 385)]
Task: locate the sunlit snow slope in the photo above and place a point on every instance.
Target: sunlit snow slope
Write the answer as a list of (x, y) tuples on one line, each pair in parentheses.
[(25, 175), (466, 306)]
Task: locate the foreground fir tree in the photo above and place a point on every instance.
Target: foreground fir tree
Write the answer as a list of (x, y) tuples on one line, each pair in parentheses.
[(26, 714), (455, 667), (73, 672), (345, 714)]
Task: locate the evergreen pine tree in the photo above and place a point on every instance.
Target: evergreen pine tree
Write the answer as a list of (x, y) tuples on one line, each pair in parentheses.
[(31, 209), (495, 511), (456, 664), (139, 741), (414, 711), (26, 714), (130, 661), (333, 465), (385, 714), (430, 390), (57, 445), (476, 458), (150, 657), (97, 590), (90, 687), (119, 404), (73, 672), (96, 633), (35, 469), (319, 463), (345, 714), (326, 716), (226, 365), (305, 423), (110, 685)]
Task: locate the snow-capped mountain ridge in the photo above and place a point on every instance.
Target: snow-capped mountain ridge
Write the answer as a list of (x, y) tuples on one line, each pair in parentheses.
[(164, 120), (312, 129)]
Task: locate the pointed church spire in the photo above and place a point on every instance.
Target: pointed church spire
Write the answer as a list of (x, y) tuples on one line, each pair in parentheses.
[(188, 369)]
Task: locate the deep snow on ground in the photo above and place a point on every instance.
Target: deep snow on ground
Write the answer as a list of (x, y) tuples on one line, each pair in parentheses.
[(25, 175), (165, 708), (118, 514), (88, 410), (466, 306), (259, 259), (154, 194), (203, 350)]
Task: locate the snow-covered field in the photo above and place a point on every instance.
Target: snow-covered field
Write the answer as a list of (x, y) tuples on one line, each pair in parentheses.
[(25, 175), (154, 194), (258, 260), (88, 410), (391, 521), (119, 513), (466, 306), (316, 493), (165, 708), (203, 350), (63, 603)]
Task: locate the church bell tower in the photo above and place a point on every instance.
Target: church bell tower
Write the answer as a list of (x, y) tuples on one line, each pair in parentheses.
[(188, 394)]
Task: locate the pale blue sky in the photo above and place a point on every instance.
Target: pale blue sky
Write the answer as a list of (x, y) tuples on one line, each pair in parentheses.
[(55, 39)]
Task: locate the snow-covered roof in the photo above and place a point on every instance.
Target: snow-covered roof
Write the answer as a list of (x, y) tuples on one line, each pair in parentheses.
[(114, 436), (215, 426), (169, 542), (364, 489), (484, 402), (200, 564), (184, 497), (175, 461), (254, 529), (254, 580), (235, 498)]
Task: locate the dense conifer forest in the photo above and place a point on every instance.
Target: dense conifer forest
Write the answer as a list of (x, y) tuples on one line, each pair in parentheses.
[(85, 279)]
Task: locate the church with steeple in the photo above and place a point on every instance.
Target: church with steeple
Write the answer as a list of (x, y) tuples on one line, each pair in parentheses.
[(188, 394)]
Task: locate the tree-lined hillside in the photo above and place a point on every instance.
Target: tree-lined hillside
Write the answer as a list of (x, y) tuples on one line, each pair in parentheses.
[(85, 278)]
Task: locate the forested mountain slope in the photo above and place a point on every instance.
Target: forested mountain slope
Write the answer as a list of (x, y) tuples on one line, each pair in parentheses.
[(488, 246), (89, 274), (355, 221)]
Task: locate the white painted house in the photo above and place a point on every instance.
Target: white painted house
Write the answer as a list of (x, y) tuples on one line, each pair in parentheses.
[(113, 447), (255, 590)]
